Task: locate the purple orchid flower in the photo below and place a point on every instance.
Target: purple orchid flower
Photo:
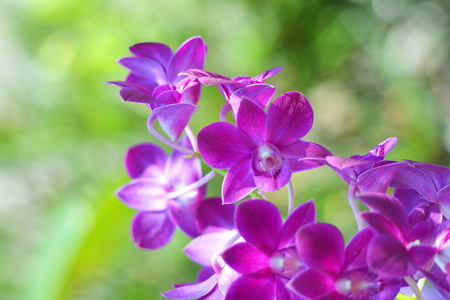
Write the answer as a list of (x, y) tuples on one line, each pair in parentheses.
[(155, 80), (164, 190), (366, 173), (335, 273), (218, 227), (267, 259), (400, 249), (263, 149), (430, 182)]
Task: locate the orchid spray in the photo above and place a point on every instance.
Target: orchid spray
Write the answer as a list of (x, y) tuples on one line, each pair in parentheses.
[(245, 248)]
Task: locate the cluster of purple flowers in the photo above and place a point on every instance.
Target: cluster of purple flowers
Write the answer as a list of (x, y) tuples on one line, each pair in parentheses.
[(246, 250)]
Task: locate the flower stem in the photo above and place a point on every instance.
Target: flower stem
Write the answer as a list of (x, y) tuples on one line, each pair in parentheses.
[(202, 181), (291, 197), (169, 142), (412, 284), (191, 137), (354, 205)]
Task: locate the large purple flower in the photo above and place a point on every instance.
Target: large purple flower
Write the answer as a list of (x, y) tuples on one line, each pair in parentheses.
[(158, 191), (263, 149), (155, 79), (335, 273), (267, 259)]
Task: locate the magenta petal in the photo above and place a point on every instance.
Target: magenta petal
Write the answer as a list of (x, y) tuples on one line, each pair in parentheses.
[(251, 120), (384, 147), (424, 232), (321, 246), (134, 93), (289, 118), (443, 199), (146, 68), (221, 145), (238, 182), (259, 222), (382, 225), (425, 211), (213, 216), (440, 282), (190, 55), (388, 257), (378, 179), (273, 178), (259, 286), (203, 248), (388, 206), (423, 256), (303, 214), (269, 73), (194, 290), (259, 93), (303, 155), (184, 214), (173, 118), (145, 160), (410, 198), (180, 170), (356, 250), (156, 51), (144, 194), (151, 230), (440, 175), (415, 178), (311, 284), (244, 258)]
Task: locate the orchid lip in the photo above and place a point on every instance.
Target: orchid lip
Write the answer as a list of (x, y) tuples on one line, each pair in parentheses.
[(285, 263), (267, 158)]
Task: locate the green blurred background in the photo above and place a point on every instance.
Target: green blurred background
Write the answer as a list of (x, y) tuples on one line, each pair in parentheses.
[(371, 70)]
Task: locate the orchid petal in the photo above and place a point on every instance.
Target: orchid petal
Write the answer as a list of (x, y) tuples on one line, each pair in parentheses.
[(238, 182), (172, 118), (134, 93), (388, 257), (423, 212), (311, 284), (145, 160), (321, 246), (156, 51), (440, 175), (190, 55), (221, 145), (244, 258), (181, 171), (414, 178), (300, 155), (289, 118), (203, 248), (382, 225), (259, 223), (440, 282), (148, 69), (194, 290), (424, 232), (423, 255), (303, 214), (410, 198), (266, 74), (258, 93), (443, 197), (151, 230), (382, 148), (259, 286), (377, 179), (213, 216), (144, 194), (184, 214), (356, 250), (251, 120)]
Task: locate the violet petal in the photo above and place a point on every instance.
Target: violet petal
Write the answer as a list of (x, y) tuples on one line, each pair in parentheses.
[(258, 93), (443, 197), (146, 68), (221, 145), (244, 258), (423, 256), (184, 213), (299, 155), (194, 290), (382, 225), (440, 175), (259, 286), (144, 194), (289, 118), (356, 250), (151, 230), (321, 246), (213, 216), (259, 222), (145, 160), (303, 214), (238, 182), (383, 148), (311, 284), (251, 120), (156, 51), (266, 74), (377, 179)]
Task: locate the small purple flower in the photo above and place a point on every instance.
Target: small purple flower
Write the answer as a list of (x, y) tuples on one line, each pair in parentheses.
[(336, 273), (267, 259), (156, 81), (263, 149), (155, 193)]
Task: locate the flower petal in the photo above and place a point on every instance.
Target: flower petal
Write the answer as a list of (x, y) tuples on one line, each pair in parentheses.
[(258, 93), (440, 175), (145, 160), (259, 222), (443, 197), (269, 73), (172, 118), (259, 286), (156, 51), (251, 120), (311, 284), (423, 212), (221, 145), (382, 148), (190, 55), (213, 216), (412, 177), (184, 213), (321, 247), (151, 230), (378, 179), (388, 257), (382, 225), (301, 154), (238, 182), (132, 92), (194, 290), (148, 69), (180, 170), (289, 118), (274, 178), (356, 250), (303, 214), (244, 258), (144, 194)]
